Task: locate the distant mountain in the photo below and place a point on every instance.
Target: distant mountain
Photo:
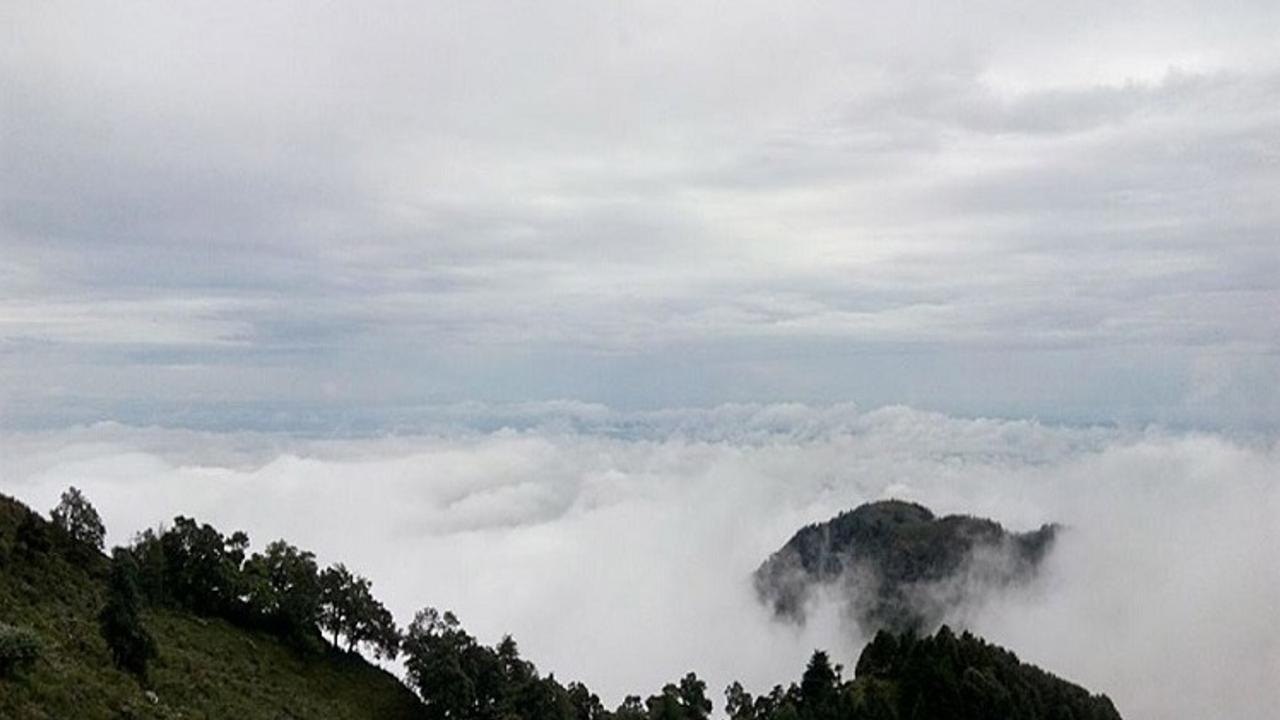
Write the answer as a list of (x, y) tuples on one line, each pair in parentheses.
[(896, 566)]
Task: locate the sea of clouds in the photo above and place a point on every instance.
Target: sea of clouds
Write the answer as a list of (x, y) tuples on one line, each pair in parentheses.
[(617, 547)]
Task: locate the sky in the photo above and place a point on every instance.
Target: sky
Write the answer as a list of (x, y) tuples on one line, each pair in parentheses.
[(564, 315), (329, 216)]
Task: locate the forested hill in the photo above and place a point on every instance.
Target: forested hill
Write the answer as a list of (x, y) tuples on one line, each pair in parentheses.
[(941, 677), (56, 664), (896, 566), (187, 623)]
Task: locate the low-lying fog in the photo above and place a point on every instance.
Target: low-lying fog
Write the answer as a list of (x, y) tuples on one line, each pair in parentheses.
[(617, 548)]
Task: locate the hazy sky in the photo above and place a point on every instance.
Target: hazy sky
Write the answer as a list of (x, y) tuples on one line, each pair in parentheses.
[(321, 214)]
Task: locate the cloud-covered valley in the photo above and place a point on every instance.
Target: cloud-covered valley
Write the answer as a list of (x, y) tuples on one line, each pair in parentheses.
[(618, 547)]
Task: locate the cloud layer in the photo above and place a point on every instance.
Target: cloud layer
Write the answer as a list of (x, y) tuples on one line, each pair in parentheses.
[(618, 550), (1012, 209)]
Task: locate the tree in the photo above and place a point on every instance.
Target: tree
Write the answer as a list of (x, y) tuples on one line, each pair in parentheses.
[(456, 677), (586, 704), (880, 656), (435, 649), (348, 609), (193, 566), (630, 709), (686, 701), (820, 689), (738, 703), (283, 590), (337, 607), (120, 620), (693, 697), (76, 517), (383, 634), (665, 705)]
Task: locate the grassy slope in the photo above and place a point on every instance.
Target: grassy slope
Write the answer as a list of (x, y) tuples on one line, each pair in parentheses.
[(207, 668)]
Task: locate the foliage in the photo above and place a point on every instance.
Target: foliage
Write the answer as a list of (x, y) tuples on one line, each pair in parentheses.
[(943, 677), (586, 704), (441, 662), (964, 677), (32, 537), (283, 590), (894, 559), (207, 667), (349, 609), (76, 517), (192, 566), (685, 701), (457, 677), (132, 646), (20, 647), (195, 567), (631, 708)]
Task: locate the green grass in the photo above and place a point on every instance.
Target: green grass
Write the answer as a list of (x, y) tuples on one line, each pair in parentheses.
[(206, 668)]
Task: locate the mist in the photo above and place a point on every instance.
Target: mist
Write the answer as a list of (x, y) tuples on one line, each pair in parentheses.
[(617, 548)]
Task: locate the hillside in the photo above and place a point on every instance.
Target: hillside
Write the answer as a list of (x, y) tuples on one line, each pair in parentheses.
[(247, 661), (896, 566), (205, 668), (940, 677), (962, 677)]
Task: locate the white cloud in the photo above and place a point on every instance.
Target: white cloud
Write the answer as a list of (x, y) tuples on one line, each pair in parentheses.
[(619, 552)]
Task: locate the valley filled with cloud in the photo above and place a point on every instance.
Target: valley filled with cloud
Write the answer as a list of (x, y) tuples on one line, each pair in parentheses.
[(617, 547)]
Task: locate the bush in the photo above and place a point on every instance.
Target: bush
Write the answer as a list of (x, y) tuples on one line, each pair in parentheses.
[(20, 647), (131, 644), (32, 538)]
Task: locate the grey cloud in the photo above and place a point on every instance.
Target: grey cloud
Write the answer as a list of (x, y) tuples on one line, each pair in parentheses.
[(370, 196)]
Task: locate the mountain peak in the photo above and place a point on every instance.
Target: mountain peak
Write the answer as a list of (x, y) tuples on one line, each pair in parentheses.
[(895, 565)]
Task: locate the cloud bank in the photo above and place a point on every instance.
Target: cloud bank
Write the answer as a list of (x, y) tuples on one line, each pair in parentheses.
[(618, 551), (1012, 209)]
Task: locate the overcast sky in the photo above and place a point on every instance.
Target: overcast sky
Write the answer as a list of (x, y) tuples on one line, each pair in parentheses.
[(227, 215)]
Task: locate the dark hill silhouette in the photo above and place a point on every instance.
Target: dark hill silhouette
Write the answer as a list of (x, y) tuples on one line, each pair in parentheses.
[(896, 566), (942, 677)]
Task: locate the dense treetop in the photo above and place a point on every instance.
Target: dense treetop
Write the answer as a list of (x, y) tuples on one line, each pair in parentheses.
[(940, 677), (892, 560), (78, 520)]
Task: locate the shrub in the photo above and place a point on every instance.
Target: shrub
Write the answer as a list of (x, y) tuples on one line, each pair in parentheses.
[(20, 647), (131, 644), (32, 537)]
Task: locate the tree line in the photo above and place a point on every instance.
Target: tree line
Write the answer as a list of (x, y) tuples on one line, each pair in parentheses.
[(194, 567)]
